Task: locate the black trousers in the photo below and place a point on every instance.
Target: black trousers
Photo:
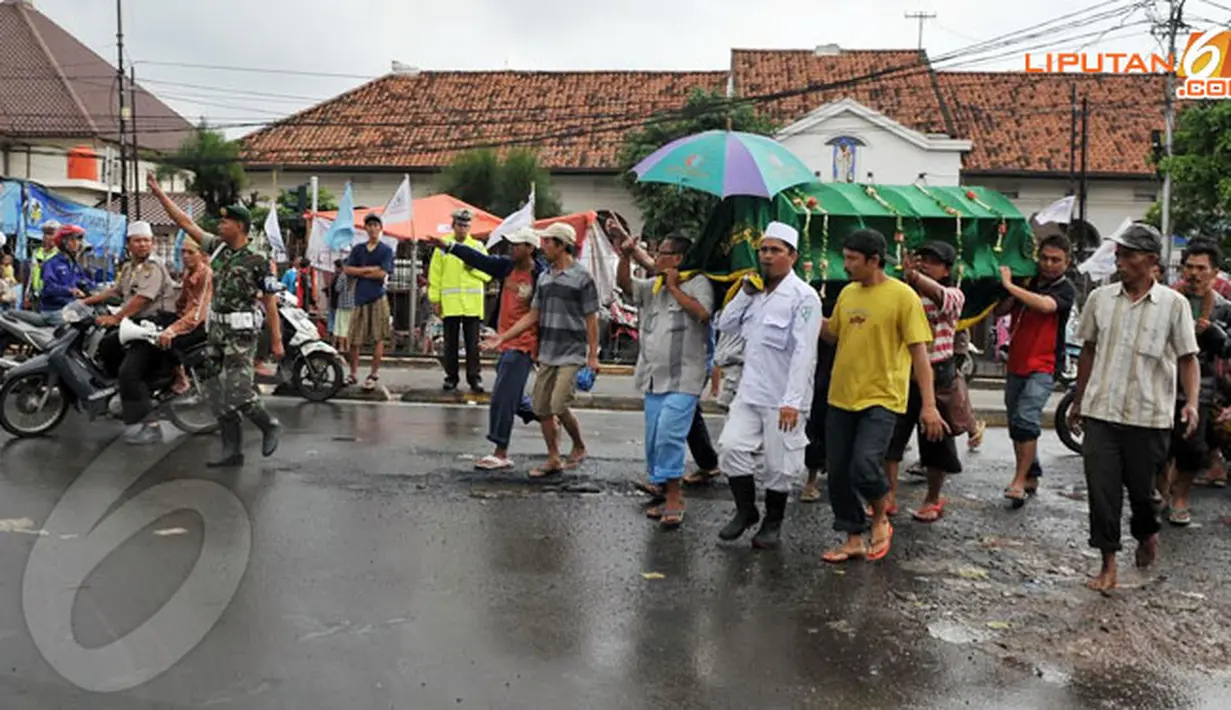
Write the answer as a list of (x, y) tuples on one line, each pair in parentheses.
[(814, 455), (1117, 457), (469, 327), (699, 443), (133, 365)]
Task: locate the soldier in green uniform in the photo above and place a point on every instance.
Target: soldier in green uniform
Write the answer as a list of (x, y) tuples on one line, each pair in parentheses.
[(241, 275)]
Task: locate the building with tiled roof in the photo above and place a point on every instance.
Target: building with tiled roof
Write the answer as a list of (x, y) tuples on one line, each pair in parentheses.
[(57, 95), (883, 116)]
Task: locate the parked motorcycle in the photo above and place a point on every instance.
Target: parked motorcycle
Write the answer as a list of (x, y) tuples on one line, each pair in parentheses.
[(313, 366), (27, 332), (37, 393), (1071, 439), (622, 342)]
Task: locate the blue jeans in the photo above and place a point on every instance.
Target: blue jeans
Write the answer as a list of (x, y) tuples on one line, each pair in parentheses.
[(1024, 399), (668, 417), (509, 396)]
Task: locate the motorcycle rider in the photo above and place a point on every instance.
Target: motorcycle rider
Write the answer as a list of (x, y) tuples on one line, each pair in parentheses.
[(149, 293), (64, 278)]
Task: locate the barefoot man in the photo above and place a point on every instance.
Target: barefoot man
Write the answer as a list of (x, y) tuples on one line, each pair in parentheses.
[(1134, 333)]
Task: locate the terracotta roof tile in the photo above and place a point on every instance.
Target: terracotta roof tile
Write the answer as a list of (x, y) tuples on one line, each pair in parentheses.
[(1021, 122), (52, 85), (576, 120), (902, 89), (152, 211)]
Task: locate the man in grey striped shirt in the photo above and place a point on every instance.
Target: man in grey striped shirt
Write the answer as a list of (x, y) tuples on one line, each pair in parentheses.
[(1135, 333), (565, 307)]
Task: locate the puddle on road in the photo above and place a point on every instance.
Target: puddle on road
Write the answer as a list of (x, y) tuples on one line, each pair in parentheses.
[(957, 633)]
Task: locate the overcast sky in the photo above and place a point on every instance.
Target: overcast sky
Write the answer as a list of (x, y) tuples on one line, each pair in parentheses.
[(318, 36)]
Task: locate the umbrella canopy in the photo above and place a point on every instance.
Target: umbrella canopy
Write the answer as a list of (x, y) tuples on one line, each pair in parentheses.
[(726, 163)]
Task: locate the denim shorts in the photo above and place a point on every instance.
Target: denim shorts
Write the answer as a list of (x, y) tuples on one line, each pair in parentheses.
[(1024, 399)]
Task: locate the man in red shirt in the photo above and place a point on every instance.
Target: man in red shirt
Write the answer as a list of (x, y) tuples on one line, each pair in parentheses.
[(1040, 312), (519, 274)]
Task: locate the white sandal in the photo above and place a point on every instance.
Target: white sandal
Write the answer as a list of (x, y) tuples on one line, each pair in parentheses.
[(493, 463)]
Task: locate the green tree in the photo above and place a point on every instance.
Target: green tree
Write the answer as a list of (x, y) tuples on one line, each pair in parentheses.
[(483, 179), (670, 208), (1200, 168), (216, 173)]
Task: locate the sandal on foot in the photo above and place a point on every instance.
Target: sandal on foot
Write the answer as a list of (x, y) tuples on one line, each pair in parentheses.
[(672, 517), (891, 511), (1180, 517), (877, 551), (493, 463), (654, 512), (699, 477), (1016, 494), (838, 555), (976, 439), (648, 488), (809, 495), (351, 381), (545, 472), (571, 463), (930, 512), (370, 383)]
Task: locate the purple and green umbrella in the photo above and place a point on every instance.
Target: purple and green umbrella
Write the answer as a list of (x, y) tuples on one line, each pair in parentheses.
[(726, 163)]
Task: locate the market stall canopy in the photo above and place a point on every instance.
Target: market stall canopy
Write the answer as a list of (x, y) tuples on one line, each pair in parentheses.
[(432, 217)]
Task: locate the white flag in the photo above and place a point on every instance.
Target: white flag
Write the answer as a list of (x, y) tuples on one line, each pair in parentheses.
[(1102, 263), (400, 207), (273, 232), (523, 217), (318, 249), (1059, 212)]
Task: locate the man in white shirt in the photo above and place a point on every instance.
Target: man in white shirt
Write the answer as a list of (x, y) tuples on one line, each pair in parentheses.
[(765, 427), (1134, 335)]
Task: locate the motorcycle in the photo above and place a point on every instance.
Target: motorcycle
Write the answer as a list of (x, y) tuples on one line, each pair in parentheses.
[(622, 343), (36, 394), (315, 367), (27, 332), (1071, 439)]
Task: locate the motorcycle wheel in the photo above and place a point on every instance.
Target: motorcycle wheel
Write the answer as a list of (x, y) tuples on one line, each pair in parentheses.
[(626, 349), (1070, 439), (190, 412), (17, 396), (318, 377)]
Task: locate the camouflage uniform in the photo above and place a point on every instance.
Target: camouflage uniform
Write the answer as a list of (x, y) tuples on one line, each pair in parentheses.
[(239, 279)]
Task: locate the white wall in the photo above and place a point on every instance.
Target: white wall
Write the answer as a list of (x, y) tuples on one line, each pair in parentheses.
[(1108, 202), (46, 162), (582, 192), (891, 159)]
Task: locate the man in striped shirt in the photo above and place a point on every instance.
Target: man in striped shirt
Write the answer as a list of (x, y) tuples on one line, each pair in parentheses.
[(929, 273), (1134, 335)]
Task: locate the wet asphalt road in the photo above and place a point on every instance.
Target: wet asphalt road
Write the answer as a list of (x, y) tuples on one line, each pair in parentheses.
[(366, 566)]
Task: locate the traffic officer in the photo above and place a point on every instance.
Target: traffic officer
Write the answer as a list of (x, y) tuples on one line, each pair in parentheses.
[(241, 275), (765, 429), (456, 290), (47, 250)]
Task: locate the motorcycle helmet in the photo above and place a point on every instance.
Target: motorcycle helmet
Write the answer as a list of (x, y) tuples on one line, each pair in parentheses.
[(585, 379)]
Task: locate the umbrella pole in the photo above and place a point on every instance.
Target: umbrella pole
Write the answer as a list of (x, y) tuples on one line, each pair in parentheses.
[(414, 288)]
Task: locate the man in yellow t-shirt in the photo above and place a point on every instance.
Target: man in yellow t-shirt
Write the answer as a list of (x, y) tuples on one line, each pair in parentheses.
[(881, 332)]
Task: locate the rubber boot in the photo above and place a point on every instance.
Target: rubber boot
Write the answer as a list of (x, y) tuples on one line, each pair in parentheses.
[(744, 491), (768, 535), (270, 431), (232, 444)]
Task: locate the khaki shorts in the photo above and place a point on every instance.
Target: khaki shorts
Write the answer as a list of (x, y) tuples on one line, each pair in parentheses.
[(554, 388), (369, 323)]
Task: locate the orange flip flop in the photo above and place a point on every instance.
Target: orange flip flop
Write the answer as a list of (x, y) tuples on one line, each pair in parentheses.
[(873, 554)]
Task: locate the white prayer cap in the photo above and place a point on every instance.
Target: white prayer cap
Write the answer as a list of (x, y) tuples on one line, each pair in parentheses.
[(784, 232), (140, 229)]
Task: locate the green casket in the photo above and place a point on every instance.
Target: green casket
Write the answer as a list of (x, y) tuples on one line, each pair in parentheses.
[(983, 225)]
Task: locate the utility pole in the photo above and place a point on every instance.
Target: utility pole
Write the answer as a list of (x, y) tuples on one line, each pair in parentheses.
[(119, 77), (1174, 22), (137, 181), (921, 17), (1085, 144), (1073, 143)]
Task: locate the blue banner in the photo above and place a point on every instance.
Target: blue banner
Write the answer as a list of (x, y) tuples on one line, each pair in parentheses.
[(10, 206), (43, 206)]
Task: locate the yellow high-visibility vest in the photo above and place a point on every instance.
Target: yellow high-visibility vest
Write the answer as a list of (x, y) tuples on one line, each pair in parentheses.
[(457, 287)]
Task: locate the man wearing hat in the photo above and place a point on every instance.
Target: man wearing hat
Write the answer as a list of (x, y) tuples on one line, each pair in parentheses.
[(148, 293), (564, 308), (456, 289), (1137, 336), (882, 336), (241, 276), (519, 274), (766, 425), (929, 273), (65, 279), (370, 265), (47, 249)]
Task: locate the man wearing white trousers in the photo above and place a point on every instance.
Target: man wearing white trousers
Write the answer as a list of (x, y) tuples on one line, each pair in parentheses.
[(765, 429)]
